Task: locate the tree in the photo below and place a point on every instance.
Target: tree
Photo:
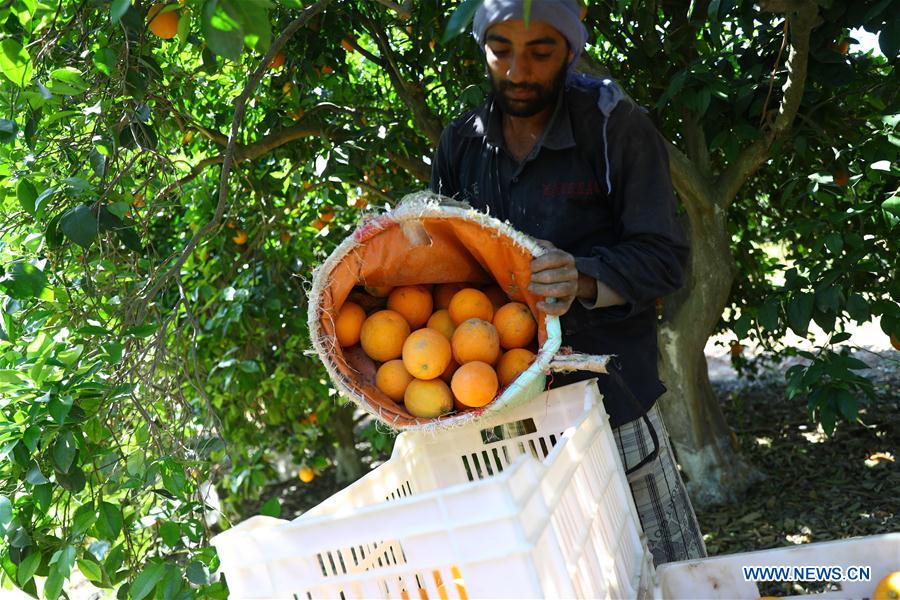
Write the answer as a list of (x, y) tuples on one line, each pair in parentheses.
[(166, 200)]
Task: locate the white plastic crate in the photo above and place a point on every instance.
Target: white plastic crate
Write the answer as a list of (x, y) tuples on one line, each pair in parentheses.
[(531, 504), (723, 577)]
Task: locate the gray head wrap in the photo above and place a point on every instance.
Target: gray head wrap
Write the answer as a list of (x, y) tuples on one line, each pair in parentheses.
[(562, 15)]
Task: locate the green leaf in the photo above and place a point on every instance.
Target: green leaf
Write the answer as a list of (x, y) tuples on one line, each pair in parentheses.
[(79, 225), (15, 62), (742, 326), (64, 451), (61, 566), (21, 539), (43, 495), (85, 517), (170, 533), (27, 194), (117, 9), (223, 34), (858, 308), (827, 416), (889, 38), (253, 18), (460, 19), (829, 299), (8, 130), (59, 407), (105, 60), (197, 574), (272, 508), (129, 239), (67, 81), (834, 242), (5, 514), (28, 567), (23, 281), (799, 313), (109, 521), (74, 480), (145, 582), (90, 570), (768, 315), (34, 475), (184, 27), (249, 366), (70, 356), (892, 206)]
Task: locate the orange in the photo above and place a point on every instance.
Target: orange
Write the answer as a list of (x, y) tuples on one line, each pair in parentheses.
[(413, 302), (440, 321), (841, 177), (277, 61), (443, 293), (515, 324), (470, 304), (512, 364), (318, 224), (347, 45), (349, 323), (895, 342), (426, 353), (474, 384), (392, 379), (428, 399), (888, 588), (240, 237), (383, 334), (475, 339), (379, 291), (496, 295), (327, 214), (163, 25), (306, 474)]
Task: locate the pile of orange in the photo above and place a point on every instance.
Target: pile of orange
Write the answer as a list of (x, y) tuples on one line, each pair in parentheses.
[(439, 348)]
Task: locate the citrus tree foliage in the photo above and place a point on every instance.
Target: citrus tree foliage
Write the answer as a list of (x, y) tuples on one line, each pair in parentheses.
[(152, 311), (814, 230)]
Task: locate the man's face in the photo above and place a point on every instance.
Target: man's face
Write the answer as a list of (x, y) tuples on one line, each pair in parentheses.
[(526, 66)]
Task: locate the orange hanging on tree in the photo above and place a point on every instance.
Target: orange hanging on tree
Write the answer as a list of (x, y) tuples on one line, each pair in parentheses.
[(163, 25)]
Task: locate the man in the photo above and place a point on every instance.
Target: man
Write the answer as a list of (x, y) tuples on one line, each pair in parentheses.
[(569, 160)]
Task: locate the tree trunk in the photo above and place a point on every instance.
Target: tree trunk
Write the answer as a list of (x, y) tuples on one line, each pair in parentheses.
[(347, 460), (707, 449)]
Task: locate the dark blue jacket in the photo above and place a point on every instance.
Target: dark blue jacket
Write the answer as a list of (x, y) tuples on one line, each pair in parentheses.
[(597, 187)]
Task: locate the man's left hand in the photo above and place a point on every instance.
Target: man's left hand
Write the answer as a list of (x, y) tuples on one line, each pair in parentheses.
[(554, 276)]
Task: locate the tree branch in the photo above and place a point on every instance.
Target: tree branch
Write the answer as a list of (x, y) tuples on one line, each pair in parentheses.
[(404, 11), (263, 146), (416, 168), (412, 95), (693, 187), (695, 142), (803, 17), (150, 292)]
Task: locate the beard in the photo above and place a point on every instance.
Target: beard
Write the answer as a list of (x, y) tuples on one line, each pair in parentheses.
[(544, 95)]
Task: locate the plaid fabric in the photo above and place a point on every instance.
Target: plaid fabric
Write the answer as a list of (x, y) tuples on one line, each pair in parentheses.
[(663, 506)]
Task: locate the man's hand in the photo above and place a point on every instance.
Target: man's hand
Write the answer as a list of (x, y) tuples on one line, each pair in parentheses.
[(554, 276)]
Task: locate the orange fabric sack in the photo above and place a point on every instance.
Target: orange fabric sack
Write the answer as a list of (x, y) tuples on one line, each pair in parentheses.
[(426, 239)]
